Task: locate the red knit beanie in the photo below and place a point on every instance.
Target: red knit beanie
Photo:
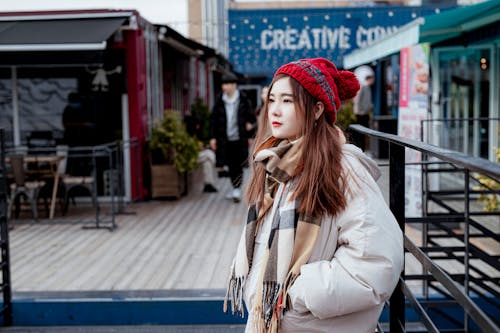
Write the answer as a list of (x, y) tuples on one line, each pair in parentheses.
[(323, 81)]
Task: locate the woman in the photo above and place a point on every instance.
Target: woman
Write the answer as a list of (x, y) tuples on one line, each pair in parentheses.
[(320, 251)]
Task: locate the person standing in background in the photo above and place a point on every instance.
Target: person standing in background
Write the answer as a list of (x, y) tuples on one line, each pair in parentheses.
[(232, 123), (75, 122), (363, 104)]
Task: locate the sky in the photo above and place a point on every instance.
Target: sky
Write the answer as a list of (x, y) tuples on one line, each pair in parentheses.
[(171, 12)]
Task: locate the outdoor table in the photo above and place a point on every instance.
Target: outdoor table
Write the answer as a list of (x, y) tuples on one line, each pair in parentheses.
[(53, 162)]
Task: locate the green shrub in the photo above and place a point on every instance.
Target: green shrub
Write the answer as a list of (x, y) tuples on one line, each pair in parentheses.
[(491, 202), (201, 114), (346, 115), (171, 143)]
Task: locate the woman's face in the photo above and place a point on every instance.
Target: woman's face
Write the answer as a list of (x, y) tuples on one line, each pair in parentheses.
[(285, 122)]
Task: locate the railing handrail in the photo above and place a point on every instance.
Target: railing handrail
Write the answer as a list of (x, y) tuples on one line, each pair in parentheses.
[(482, 320), (458, 119), (397, 146), (476, 164)]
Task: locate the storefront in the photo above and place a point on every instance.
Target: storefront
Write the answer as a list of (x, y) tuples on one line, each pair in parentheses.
[(447, 71), (86, 78), (463, 75)]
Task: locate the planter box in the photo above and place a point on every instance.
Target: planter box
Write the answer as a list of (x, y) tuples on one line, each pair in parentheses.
[(166, 181)]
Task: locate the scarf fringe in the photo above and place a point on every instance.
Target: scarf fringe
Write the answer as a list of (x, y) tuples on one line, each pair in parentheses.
[(285, 299), (270, 294), (258, 322), (234, 293)]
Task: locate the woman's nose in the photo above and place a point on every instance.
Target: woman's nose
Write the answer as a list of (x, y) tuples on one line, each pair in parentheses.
[(274, 108)]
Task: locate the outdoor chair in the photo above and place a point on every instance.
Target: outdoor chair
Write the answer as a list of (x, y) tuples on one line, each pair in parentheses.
[(72, 184), (21, 188), (40, 143)]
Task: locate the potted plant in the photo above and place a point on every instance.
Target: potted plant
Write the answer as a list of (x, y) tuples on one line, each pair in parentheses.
[(345, 116), (174, 153), (200, 115)]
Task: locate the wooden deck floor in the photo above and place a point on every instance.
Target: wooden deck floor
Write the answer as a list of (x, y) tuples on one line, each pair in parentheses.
[(183, 244)]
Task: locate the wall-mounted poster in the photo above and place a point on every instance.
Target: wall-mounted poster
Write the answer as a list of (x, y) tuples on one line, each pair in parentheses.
[(413, 108)]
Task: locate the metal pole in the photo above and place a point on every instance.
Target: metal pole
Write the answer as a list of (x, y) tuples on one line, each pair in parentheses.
[(119, 188), (94, 174), (123, 168), (466, 243), (15, 109), (425, 210), (4, 229), (111, 186), (396, 192)]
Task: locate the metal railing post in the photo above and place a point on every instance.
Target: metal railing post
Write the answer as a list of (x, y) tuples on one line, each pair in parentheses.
[(112, 186), (397, 205), (4, 239), (425, 211), (466, 242), (446, 284), (94, 187)]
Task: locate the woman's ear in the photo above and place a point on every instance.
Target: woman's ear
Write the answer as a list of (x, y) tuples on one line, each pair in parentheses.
[(318, 110)]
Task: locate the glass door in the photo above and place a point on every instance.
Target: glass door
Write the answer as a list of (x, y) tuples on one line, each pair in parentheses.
[(464, 108)]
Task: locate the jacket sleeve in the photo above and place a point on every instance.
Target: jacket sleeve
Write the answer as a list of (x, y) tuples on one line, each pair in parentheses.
[(365, 267), (251, 112), (213, 124)]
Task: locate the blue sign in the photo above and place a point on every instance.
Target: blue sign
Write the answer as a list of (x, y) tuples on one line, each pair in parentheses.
[(262, 40)]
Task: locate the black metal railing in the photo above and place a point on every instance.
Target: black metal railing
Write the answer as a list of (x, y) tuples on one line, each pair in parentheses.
[(467, 135), (445, 210), (105, 168), (5, 286), (459, 290)]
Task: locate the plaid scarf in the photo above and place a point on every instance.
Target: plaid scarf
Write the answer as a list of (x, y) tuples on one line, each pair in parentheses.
[(291, 241)]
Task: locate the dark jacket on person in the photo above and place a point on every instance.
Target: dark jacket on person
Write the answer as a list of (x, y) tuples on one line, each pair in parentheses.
[(218, 124)]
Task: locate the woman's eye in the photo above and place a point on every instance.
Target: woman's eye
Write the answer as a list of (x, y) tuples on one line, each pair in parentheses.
[(287, 100), (270, 100)]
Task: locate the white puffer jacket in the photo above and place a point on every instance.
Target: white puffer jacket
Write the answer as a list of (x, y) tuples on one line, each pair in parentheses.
[(355, 264)]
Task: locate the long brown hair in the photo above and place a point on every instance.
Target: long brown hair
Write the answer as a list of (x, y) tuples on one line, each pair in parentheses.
[(321, 183)]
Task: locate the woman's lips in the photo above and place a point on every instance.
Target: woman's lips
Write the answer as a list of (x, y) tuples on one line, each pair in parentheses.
[(276, 124)]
